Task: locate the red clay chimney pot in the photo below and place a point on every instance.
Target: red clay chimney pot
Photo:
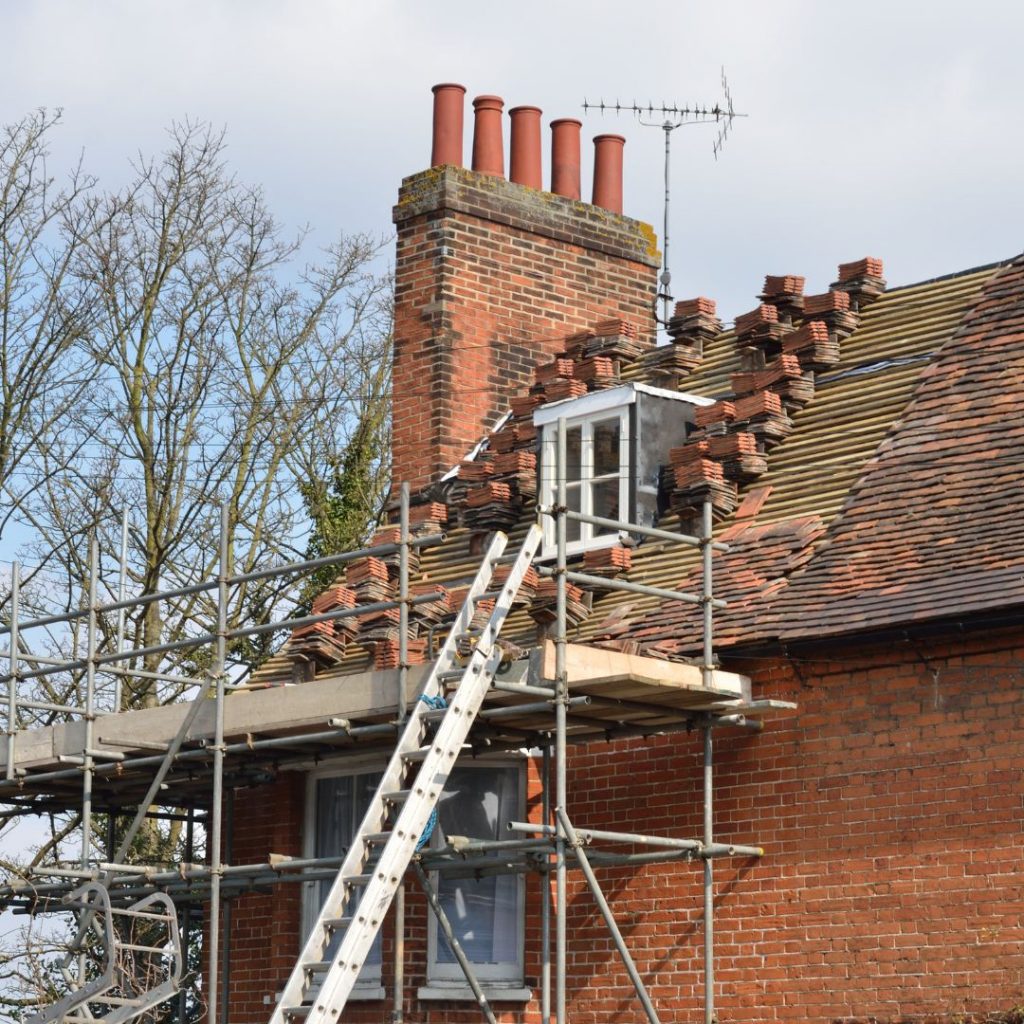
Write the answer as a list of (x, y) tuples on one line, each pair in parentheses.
[(524, 163), (446, 145), (608, 172), (488, 151), (565, 157)]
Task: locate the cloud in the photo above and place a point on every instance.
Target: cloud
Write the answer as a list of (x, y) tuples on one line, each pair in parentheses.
[(880, 128)]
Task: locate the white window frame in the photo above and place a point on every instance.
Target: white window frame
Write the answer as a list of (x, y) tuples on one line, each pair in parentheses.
[(588, 540), (448, 977), (370, 985), (443, 980)]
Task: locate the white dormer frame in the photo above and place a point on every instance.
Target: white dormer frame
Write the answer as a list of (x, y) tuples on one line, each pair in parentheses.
[(589, 487), (609, 491)]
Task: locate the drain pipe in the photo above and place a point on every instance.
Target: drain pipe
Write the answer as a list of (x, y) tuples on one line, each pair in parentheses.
[(229, 852), (561, 691), (709, 893), (545, 892)]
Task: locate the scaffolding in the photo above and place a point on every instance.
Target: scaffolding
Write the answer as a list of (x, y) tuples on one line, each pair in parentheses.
[(191, 777)]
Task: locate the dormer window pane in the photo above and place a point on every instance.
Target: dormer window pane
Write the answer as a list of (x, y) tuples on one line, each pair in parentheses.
[(597, 476), (573, 454), (606, 448), (606, 503), (616, 441)]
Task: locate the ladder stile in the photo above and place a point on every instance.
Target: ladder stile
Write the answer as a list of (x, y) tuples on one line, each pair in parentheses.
[(358, 918)]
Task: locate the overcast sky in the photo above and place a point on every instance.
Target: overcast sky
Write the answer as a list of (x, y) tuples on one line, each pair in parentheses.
[(889, 129)]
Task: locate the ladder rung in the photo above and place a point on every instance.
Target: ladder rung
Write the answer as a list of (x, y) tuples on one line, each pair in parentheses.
[(358, 879), (317, 966), (396, 796), (112, 1001), (337, 924), (376, 838), (455, 673), (421, 754), (142, 915), (417, 755), (288, 1011), (135, 948)]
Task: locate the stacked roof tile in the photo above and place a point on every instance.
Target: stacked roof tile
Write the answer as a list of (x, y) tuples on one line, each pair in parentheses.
[(921, 501)]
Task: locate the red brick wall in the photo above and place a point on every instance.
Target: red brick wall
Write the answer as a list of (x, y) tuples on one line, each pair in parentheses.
[(489, 278), (264, 933), (890, 809)]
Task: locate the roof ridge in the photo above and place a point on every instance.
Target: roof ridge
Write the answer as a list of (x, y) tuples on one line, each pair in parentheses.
[(995, 265)]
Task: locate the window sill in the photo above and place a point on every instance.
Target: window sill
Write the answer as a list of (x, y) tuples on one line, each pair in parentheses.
[(367, 993), (575, 550), (460, 993)]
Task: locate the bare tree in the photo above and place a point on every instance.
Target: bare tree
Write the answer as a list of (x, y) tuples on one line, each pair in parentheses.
[(183, 359), (218, 379), (43, 311)]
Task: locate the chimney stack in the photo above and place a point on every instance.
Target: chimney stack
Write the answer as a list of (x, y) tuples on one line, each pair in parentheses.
[(488, 150), (608, 172), (447, 137), (492, 275), (565, 157), (524, 164)]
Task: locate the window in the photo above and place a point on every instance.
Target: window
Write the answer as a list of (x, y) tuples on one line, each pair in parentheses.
[(617, 440), (486, 912), (597, 476), (335, 808)]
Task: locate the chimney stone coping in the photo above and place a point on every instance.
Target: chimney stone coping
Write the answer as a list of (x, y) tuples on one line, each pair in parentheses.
[(459, 190)]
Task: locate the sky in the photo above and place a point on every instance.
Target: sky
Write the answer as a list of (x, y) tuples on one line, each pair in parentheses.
[(883, 129)]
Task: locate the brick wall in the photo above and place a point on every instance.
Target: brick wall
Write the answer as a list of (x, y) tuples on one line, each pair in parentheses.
[(890, 809), (489, 278), (264, 932)]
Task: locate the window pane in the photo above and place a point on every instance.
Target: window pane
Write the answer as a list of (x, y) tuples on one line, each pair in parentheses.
[(483, 912), (340, 805), (573, 452), (606, 503), (572, 502), (606, 447)]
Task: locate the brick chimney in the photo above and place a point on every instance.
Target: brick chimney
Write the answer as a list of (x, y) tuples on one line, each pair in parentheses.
[(490, 276)]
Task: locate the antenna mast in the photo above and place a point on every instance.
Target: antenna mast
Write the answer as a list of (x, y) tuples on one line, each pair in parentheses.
[(675, 116)]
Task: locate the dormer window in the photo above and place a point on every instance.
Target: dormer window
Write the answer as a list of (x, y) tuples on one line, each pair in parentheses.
[(597, 474), (616, 442)]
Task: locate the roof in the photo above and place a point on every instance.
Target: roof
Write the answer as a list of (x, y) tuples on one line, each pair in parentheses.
[(933, 524), (885, 507), (894, 498)]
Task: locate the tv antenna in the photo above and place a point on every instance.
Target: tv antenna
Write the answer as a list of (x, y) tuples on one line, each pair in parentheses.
[(674, 116)]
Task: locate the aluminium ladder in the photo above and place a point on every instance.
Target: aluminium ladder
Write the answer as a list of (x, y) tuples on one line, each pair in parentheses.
[(356, 917)]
